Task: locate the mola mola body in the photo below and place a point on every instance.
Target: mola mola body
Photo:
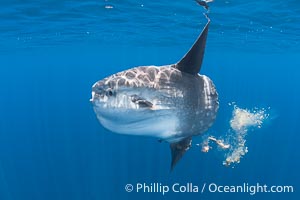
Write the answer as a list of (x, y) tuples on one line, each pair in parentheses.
[(172, 103)]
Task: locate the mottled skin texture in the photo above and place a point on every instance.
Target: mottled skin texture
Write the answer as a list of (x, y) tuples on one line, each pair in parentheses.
[(192, 99)]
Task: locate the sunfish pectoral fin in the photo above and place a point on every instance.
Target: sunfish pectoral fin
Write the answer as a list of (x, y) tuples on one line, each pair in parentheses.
[(141, 101), (178, 149), (192, 61)]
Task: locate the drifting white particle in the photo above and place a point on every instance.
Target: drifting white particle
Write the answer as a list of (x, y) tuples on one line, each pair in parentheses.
[(109, 7)]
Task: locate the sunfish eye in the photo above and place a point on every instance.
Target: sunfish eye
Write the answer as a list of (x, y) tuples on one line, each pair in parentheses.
[(110, 92)]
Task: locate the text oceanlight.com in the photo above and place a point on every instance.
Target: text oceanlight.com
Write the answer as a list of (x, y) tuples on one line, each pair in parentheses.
[(251, 189)]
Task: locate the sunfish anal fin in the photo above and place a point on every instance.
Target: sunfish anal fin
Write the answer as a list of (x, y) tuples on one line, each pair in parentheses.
[(178, 149)]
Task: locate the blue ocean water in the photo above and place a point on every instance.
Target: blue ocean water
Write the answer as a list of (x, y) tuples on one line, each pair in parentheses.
[(51, 52)]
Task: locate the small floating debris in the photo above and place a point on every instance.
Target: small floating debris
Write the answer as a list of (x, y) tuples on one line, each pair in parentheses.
[(108, 7), (220, 143), (206, 147)]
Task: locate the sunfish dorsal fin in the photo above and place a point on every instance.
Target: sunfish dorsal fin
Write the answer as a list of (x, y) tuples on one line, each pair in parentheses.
[(178, 149), (192, 61)]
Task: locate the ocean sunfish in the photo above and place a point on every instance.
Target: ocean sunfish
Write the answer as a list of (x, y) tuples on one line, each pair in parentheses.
[(172, 102)]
